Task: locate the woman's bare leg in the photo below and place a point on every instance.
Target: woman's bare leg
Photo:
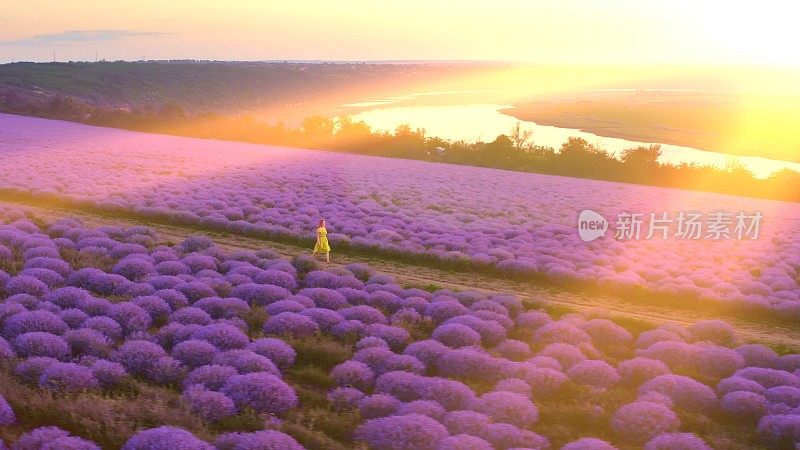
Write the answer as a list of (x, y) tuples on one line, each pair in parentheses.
[(328, 257)]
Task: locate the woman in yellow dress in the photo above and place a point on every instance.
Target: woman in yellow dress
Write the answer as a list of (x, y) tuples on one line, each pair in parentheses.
[(322, 245)]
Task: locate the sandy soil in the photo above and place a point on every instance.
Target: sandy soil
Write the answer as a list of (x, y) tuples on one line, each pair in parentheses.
[(422, 276)]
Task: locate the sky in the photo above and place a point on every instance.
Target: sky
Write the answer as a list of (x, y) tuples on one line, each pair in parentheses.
[(567, 31)]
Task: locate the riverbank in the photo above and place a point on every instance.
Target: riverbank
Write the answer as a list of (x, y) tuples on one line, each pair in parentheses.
[(721, 127)]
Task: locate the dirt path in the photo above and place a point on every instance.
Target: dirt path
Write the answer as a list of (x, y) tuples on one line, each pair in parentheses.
[(404, 273)]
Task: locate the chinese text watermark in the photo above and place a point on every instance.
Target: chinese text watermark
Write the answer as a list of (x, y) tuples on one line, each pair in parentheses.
[(684, 225)]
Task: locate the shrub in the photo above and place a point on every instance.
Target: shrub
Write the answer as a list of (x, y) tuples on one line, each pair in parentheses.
[(7, 416), (425, 407), (593, 373), (280, 306), (87, 342), (194, 352), (246, 361), (456, 335), (491, 332), (676, 441), (736, 383), (743, 405), (292, 324), (219, 308), (31, 369), (679, 356), (195, 243), (344, 398), (325, 298), (363, 313), (108, 374), (464, 442), (30, 321), (222, 336), (641, 421), (68, 377), (353, 374), (210, 405), (278, 351), (514, 385), (261, 391), (67, 297), (165, 438), (371, 341), (133, 269), (138, 356), (769, 377), (562, 332), (428, 351), (378, 405), (716, 331), (719, 362), (39, 343), (636, 371), (471, 364), (405, 386), (757, 355), (131, 317), (508, 407), (465, 421), (513, 350), (35, 439), (260, 294), (166, 370), (396, 337), (684, 391), (543, 381), (156, 306), (326, 319), (73, 317), (400, 362), (212, 377), (780, 430), (412, 431), (260, 440), (106, 325), (503, 435), (449, 393), (588, 444), (442, 310), (566, 354), (26, 284), (191, 316)]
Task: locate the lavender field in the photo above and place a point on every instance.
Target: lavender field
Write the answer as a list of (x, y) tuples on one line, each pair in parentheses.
[(517, 223), (113, 338)]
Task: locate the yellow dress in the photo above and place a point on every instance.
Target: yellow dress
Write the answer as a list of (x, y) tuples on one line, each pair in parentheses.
[(322, 245)]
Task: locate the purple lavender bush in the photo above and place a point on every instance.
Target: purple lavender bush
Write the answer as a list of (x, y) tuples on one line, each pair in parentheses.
[(262, 392), (165, 438), (406, 432)]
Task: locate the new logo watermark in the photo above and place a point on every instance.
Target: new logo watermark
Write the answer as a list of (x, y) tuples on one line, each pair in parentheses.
[(684, 225), (591, 225)]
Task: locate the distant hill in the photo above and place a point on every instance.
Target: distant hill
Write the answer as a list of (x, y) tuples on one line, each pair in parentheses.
[(205, 86)]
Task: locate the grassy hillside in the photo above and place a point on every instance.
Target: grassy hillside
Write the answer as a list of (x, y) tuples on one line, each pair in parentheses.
[(220, 87)]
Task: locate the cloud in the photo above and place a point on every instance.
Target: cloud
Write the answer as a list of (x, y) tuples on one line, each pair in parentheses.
[(80, 36)]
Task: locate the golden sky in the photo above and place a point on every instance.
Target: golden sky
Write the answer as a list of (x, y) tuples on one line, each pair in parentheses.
[(566, 31)]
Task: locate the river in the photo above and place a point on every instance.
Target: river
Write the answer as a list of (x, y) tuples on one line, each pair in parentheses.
[(484, 121)]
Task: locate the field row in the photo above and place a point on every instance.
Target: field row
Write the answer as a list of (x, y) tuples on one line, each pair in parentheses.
[(518, 224)]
